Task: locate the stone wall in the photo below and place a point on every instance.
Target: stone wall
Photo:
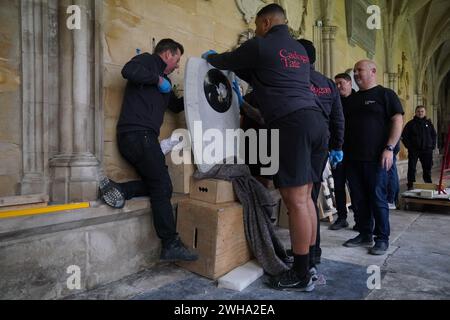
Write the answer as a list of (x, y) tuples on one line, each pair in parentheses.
[(10, 99)]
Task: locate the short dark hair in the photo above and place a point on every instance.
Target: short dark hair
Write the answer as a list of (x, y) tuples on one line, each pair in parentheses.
[(344, 76), (310, 49), (272, 8), (168, 44), (420, 107)]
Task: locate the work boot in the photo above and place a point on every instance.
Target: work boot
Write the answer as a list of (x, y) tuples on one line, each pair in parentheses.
[(359, 241), (111, 193), (291, 281), (177, 251), (339, 224), (380, 248)]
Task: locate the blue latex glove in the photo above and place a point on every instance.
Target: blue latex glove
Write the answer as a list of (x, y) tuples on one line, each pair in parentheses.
[(336, 157), (207, 53), (237, 90), (164, 86)]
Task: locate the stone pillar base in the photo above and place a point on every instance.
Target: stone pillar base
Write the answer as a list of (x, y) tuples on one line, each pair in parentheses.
[(74, 178), (34, 183)]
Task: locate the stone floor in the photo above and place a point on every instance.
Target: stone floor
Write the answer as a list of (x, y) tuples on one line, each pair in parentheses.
[(417, 266)]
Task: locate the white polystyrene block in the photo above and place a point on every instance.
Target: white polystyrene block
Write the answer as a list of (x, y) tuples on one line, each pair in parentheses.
[(241, 277)]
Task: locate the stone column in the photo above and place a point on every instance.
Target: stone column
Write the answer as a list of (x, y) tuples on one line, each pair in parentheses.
[(34, 34), (74, 168), (328, 35), (317, 38), (418, 99), (393, 77)]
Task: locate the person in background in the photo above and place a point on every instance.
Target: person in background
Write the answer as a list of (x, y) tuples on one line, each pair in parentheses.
[(419, 137), (374, 120), (328, 98), (344, 85)]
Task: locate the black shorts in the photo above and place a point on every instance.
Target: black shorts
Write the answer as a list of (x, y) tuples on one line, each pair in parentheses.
[(303, 148), (255, 168)]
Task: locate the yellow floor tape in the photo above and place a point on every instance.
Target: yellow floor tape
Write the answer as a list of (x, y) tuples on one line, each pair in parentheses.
[(45, 210)]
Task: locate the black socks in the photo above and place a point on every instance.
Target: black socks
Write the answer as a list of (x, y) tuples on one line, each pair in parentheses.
[(301, 264)]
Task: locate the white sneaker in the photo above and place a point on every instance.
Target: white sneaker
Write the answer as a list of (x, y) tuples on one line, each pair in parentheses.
[(392, 206)]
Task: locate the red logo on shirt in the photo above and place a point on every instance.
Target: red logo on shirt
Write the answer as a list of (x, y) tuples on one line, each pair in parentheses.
[(320, 91), (292, 59)]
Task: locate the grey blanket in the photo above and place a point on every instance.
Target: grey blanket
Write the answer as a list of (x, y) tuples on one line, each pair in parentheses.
[(258, 205)]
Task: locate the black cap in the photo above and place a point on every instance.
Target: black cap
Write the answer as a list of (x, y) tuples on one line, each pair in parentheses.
[(310, 49)]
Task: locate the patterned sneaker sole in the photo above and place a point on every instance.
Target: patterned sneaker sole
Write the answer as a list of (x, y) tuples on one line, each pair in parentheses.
[(111, 195)]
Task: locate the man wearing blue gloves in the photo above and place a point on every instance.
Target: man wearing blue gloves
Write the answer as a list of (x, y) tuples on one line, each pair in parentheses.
[(328, 96), (278, 69), (147, 96)]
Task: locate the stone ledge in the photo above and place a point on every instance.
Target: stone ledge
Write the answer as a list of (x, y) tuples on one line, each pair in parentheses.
[(17, 228), (106, 245)]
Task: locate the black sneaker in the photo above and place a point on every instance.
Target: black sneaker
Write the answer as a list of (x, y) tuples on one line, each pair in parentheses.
[(177, 251), (289, 280), (339, 224), (380, 248), (359, 241), (111, 194)]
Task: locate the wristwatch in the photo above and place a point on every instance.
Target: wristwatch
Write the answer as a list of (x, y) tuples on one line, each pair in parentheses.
[(389, 147)]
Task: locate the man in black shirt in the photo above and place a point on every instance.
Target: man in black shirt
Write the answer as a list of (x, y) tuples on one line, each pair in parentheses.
[(278, 69), (374, 119), (344, 84), (328, 96), (147, 95), (419, 137)]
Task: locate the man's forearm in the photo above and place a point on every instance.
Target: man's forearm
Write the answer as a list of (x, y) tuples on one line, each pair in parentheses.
[(396, 130)]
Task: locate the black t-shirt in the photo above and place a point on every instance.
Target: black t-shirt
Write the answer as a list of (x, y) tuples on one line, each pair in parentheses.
[(368, 122)]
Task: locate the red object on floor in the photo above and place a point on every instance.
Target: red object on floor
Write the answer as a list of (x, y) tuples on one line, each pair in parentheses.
[(445, 170)]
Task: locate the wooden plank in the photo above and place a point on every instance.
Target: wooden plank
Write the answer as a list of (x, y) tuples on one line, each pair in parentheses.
[(425, 186), (212, 191), (434, 202), (21, 200)]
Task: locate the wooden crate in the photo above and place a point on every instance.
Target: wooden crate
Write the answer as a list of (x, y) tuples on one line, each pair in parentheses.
[(425, 186), (212, 191), (216, 233)]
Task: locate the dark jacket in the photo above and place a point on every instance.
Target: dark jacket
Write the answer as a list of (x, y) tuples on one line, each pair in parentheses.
[(278, 69), (419, 135), (325, 89), (143, 105)]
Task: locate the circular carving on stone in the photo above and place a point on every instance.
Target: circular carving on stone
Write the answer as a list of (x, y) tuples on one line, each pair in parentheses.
[(218, 91)]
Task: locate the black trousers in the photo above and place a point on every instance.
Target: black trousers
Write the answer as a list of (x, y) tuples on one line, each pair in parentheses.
[(142, 150), (340, 195), (426, 159)]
